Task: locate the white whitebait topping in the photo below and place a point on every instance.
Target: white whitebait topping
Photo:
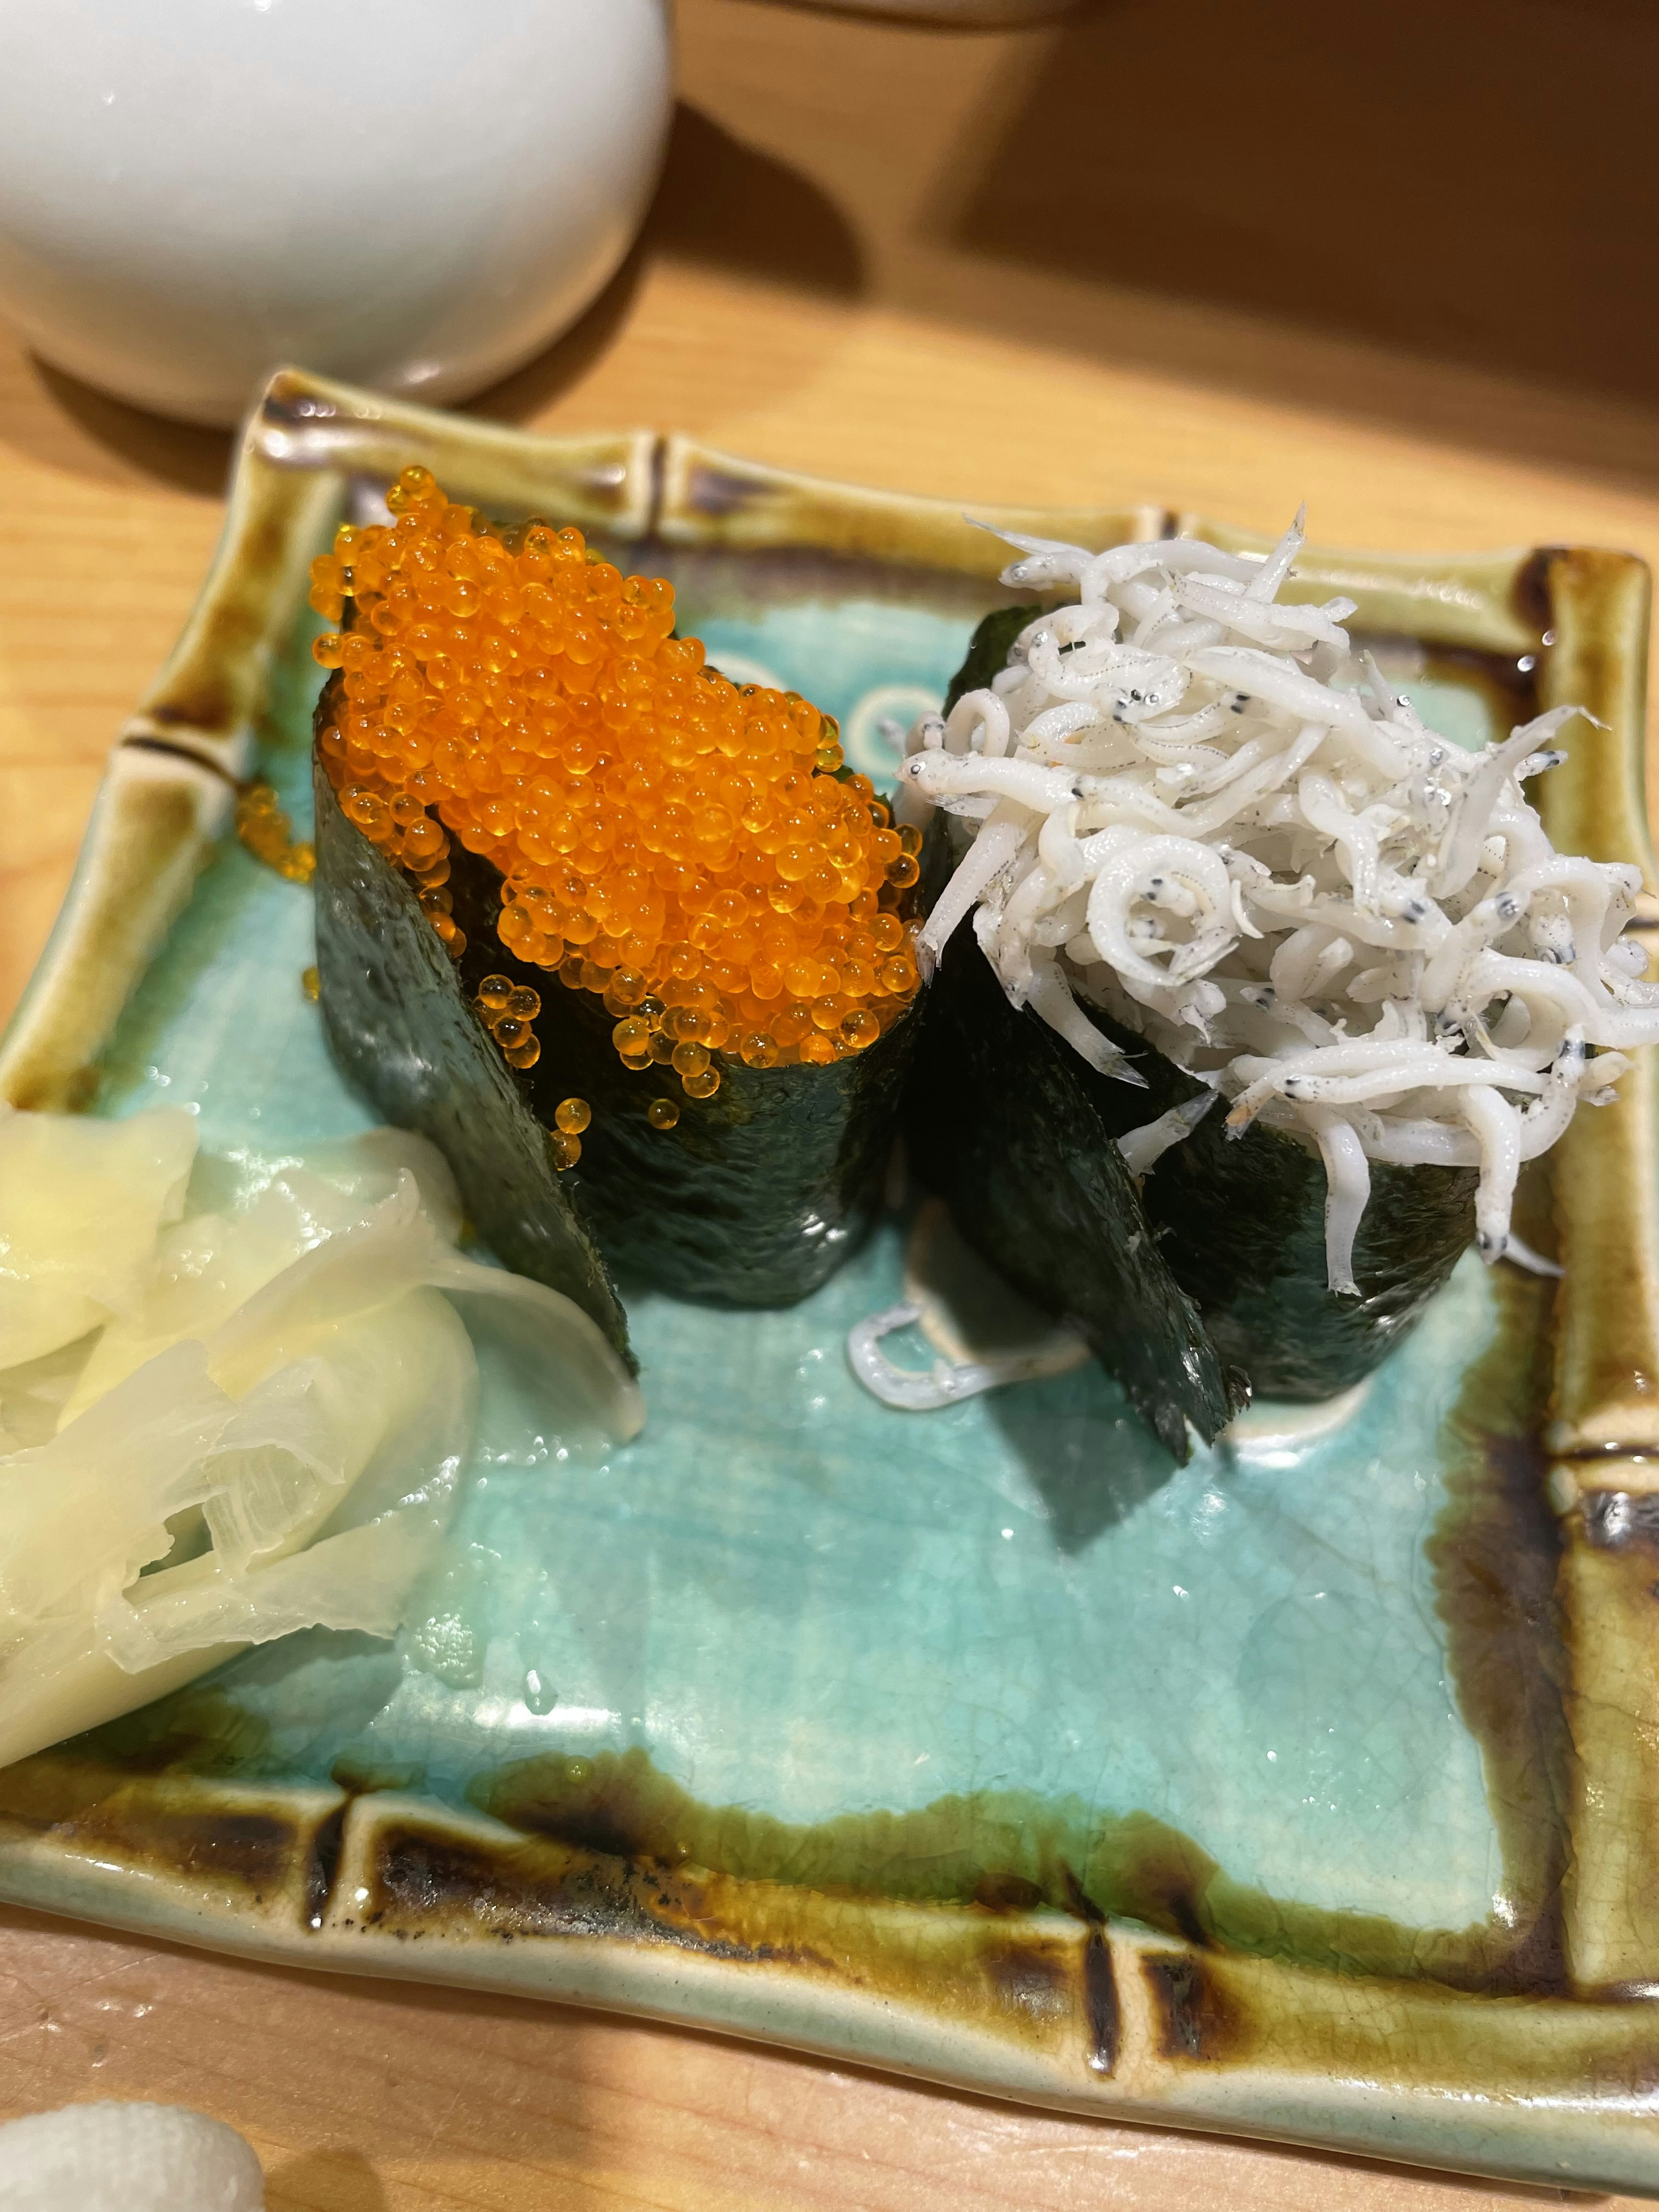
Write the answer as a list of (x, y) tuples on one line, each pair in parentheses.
[(1201, 812)]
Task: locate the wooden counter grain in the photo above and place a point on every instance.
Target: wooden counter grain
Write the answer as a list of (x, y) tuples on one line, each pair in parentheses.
[(1221, 257)]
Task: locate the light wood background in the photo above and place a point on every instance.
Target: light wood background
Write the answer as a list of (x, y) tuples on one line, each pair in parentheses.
[(1394, 261)]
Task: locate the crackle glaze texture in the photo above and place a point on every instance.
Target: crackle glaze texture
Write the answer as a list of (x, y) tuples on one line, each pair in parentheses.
[(1304, 1789)]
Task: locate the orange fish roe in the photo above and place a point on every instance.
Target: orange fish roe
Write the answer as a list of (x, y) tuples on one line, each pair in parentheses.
[(268, 834), (679, 845), (506, 1010)]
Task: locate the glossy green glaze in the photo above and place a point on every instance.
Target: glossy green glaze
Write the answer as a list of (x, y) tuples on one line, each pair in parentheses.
[(795, 1598), (986, 1743)]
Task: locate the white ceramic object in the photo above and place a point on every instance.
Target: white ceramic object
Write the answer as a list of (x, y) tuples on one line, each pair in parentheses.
[(415, 194), (126, 2158)]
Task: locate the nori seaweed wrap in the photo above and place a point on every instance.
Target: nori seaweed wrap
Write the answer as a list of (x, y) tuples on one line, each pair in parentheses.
[(401, 1029), (1018, 1135), (629, 942), (988, 650), (1240, 1221), (1226, 1285)]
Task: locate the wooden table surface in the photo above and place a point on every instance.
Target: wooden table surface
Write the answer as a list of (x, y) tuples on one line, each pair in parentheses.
[(1393, 262)]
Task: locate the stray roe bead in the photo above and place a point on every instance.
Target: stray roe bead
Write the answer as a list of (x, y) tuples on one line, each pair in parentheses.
[(662, 1113), (573, 1116)]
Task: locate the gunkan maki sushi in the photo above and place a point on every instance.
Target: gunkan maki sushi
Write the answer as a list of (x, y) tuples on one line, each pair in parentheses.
[(1211, 852), (628, 941)]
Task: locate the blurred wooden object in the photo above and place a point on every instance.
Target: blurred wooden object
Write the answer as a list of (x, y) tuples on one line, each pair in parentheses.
[(885, 253)]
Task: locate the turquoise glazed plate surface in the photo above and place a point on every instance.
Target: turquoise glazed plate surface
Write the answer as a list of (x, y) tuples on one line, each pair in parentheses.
[(1306, 1791)]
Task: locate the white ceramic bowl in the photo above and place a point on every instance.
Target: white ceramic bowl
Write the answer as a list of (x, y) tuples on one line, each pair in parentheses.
[(126, 2158), (413, 194)]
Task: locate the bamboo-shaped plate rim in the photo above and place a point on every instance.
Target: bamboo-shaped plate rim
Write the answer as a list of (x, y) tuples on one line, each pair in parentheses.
[(1121, 2022)]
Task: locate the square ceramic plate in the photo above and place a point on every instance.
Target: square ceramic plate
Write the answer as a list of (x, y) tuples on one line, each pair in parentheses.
[(1306, 1791)]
